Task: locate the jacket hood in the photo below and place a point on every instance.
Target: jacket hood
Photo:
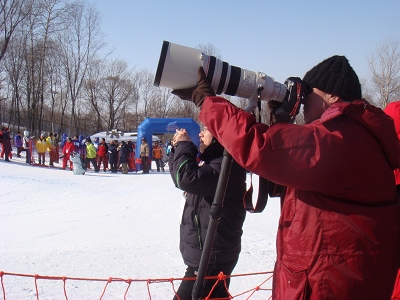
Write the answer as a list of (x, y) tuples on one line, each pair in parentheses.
[(375, 120)]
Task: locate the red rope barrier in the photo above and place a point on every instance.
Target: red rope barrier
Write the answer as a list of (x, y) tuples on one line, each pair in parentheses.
[(2, 285), (65, 288), (149, 281)]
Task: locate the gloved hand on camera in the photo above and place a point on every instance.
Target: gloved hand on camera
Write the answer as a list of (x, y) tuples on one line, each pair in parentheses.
[(281, 117), (197, 93), (287, 110)]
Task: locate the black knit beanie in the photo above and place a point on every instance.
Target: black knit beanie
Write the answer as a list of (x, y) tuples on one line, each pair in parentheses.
[(335, 76)]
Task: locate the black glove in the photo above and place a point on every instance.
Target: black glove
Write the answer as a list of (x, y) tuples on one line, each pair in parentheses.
[(278, 118), (198, 93)]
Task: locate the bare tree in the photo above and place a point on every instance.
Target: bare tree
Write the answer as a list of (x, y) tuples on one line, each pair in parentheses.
[(31, 43), (385, 72), (367, 92), (80, 44), (117, 93), (147, 91), (183, 109), (14, 70), (12, 13), (210, 49), (92, 91), (161, 104)]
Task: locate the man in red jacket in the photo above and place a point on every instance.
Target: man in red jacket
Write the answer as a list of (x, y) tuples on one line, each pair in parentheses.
[(68, 148), (338, 234), (102, 153)]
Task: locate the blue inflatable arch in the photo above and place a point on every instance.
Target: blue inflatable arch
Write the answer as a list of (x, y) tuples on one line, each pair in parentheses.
[(166, 125)]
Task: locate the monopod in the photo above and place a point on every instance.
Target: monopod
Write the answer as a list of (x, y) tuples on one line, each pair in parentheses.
[(215, 214)]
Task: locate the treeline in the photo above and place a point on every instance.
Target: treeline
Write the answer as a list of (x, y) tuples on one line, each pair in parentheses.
[(56, 77)]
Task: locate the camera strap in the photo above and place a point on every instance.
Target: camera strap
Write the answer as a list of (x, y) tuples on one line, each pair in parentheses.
[(262, 197)]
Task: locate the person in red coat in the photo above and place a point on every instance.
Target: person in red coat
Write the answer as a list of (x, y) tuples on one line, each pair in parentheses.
[(338, 233), (393, 110), (6, 140), (102, 154), (67, 149)]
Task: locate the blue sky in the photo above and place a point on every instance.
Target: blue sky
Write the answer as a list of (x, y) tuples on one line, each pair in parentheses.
[(279, 38)]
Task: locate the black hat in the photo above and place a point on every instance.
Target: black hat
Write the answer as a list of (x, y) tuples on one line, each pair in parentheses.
[(88, 139), (143, 139), (335, 76)]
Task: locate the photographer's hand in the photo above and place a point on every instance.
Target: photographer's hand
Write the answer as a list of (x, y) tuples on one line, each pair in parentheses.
[(180, 136), (198, 93), (281, 118)]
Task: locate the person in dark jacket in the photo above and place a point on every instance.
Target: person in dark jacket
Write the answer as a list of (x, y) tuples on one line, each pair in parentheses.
[(113, 156), (199, 183), (338, 233), (124, 151)]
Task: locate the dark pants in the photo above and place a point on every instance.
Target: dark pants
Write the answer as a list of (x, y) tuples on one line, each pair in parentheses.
[(94, 163), (28, 156), (42, 158), (185, 289), (145, 164), (113, 166), (159, 164), (19, 150)]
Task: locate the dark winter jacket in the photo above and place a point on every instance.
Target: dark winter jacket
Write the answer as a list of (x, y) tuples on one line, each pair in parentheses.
[(6, 141), (200, 183), (124, 153), (338, 234), (112, 154)]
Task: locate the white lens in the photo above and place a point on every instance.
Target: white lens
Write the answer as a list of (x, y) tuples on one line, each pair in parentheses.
[(177, 69)]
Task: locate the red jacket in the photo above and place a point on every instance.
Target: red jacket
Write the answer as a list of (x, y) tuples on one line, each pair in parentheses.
[(339, 230), (393, 110), (68, 148), (102, 151)]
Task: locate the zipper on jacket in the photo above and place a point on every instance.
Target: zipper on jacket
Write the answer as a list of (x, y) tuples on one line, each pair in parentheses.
[(196, 221)]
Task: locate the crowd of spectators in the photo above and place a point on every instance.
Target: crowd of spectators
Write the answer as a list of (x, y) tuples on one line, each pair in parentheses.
[(48, 150)]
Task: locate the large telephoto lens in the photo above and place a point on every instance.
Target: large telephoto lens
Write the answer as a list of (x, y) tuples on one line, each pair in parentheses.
[(177, 69)]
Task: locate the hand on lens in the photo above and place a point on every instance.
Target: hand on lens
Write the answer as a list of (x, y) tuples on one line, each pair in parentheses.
[(197, 93)]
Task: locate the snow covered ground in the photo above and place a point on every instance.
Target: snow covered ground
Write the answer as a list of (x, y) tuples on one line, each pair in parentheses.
[(97, 226)]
